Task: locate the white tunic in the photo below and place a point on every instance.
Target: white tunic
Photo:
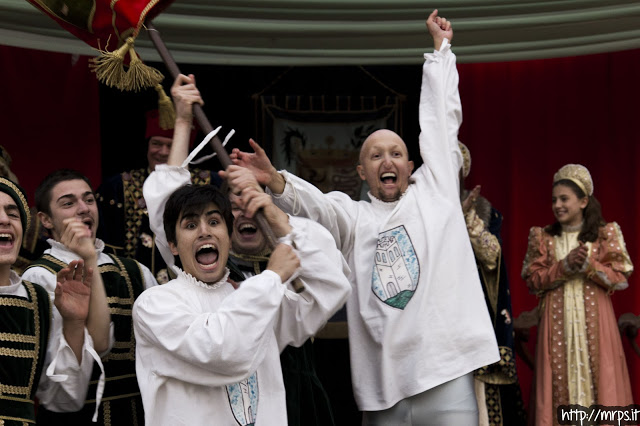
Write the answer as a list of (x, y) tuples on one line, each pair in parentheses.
[(209, 354), (417, 316), (64, 382)]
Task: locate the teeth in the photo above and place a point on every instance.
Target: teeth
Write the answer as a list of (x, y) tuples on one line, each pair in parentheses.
[(8, 236), (389, 174), (206, 246), (246, 226)]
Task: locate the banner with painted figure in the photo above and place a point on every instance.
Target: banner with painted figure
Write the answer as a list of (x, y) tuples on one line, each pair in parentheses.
[(319, 139)]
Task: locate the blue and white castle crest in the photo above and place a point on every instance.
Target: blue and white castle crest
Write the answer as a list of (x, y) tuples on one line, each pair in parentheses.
[(396, 269), (243, 398)]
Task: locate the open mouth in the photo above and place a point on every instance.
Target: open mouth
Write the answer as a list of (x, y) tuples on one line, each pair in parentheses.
[(207, 255), (247, 230), (6, 240), (388, 178), (88, 222)]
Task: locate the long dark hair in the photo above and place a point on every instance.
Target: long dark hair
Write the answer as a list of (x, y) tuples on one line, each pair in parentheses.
[(592, 215)]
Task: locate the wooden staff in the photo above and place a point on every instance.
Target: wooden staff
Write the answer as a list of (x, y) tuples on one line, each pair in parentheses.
[(215, 142)]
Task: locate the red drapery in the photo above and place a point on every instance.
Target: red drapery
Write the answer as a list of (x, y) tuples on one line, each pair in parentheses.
[(524, 120), (50, 115)]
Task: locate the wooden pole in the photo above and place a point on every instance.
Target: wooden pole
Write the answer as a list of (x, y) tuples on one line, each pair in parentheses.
[(215, 142)]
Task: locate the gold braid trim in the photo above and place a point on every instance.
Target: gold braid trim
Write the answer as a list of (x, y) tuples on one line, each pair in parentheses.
[(107, 412), (54, 260), (108, 268), (120, 311), (13, 398), (15, 390), (132, 341), (20, 338), (23, 200), (110, 379), (134, 412), (263, 256), (36, 318), (113, 398), (15, 419), (119, 357), (18, 353), (15, 303), (115, 300)]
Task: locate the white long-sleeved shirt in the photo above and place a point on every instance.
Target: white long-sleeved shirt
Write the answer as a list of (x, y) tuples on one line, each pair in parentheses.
[(417, 316), (64, 382), (211, 352)]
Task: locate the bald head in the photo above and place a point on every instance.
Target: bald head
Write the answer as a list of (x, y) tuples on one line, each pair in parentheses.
[(381, 135), (385, 165)]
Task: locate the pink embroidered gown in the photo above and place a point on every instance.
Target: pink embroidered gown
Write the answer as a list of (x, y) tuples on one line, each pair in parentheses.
[(579, 355)]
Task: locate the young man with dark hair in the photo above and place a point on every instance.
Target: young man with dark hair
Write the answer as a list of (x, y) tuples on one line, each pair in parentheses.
[(207, 347), (45, 347), (68, 210)]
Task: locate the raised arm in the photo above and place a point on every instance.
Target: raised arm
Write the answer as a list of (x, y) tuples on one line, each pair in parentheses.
[(70, 354), (77, 238), (335, 211), (168, 177), (184, 93), (440, 109), (322, 268)]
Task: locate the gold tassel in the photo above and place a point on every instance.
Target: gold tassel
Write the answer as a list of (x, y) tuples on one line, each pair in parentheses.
[(140, 76), (166, 113), (109, 66)]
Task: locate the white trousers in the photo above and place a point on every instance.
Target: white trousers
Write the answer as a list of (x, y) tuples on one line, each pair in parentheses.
[(452, 403)]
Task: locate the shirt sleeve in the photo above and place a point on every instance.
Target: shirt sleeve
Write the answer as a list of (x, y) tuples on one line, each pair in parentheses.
[(486, 246), (42, 277), (440, 118), (540, 269), (609, 263), (215, 348), (335, 211), (157, 189), (64, 382), (323, 272)]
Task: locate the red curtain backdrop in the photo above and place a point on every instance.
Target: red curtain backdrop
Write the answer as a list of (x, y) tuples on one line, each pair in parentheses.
[(524, 120), (50, 115)]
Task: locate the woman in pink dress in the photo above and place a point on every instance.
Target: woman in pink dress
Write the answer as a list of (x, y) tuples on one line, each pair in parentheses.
[(573, 266)]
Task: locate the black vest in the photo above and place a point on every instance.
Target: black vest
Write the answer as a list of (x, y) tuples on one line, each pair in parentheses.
[(24, 335), (121, 402)]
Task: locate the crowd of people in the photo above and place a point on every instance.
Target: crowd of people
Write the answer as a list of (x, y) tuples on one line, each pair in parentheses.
[(160, 300)]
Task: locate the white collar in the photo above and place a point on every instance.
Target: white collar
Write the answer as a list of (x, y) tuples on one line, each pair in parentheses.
[(387, 204), (58, 246), (14, 280), (193, 280)]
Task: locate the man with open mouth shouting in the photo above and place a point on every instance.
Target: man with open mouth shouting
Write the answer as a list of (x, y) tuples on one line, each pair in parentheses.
[(208, 349), (418, 323), (67, 209)]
